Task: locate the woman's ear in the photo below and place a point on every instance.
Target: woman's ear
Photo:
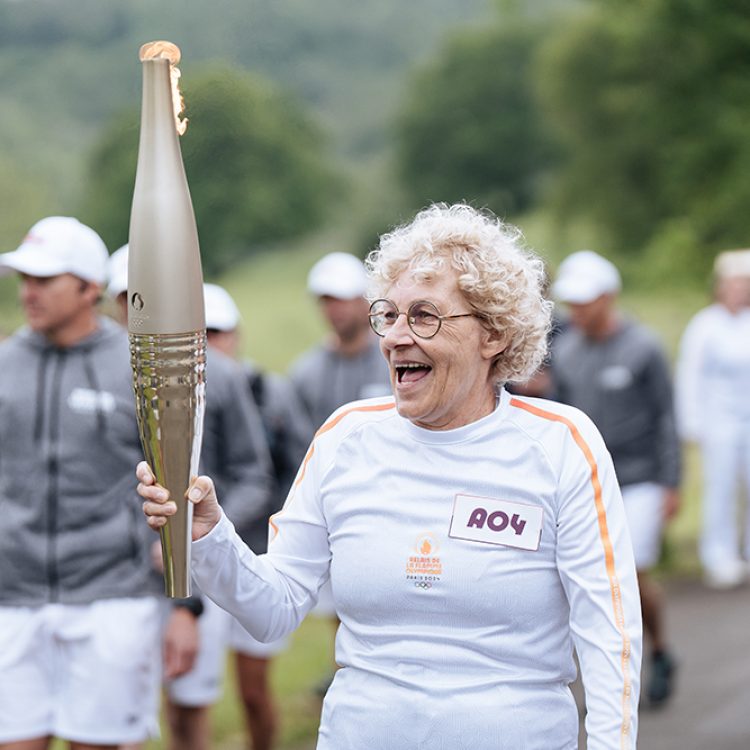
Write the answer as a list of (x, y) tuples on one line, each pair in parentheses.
[(493, 343)]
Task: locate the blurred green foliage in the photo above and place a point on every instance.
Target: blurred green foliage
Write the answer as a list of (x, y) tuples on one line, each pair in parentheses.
[(68, 68), (255, 162), (628, 118), (470, 127), (651, 99)]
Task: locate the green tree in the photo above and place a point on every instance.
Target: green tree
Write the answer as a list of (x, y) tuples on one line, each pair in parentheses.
[(254, 160), (470, 128), (651, 99)]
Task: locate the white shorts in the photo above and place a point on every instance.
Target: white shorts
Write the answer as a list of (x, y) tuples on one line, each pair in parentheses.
[(644, 509), (85, 673), (218, 630)]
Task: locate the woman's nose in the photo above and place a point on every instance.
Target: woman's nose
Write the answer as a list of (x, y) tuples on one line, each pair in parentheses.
[(399, 333)]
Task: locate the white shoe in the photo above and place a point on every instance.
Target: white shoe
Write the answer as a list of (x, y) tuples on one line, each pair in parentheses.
[(726, 576)]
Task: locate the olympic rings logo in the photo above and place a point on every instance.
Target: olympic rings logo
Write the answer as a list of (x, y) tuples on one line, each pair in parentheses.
[(423, 584)]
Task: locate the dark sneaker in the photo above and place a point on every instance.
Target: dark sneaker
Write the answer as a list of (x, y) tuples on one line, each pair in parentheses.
[(661, 682)]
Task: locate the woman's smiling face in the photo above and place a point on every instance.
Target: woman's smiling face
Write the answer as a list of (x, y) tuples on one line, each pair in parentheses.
[(443, 382)]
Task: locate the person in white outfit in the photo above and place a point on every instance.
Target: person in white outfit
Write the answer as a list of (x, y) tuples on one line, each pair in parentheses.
[(713, 410), (473, 538)]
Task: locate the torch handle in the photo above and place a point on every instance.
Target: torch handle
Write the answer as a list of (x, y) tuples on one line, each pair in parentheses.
[(169, 384)]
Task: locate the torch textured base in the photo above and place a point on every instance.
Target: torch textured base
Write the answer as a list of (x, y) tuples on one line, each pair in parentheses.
[(170, 387)]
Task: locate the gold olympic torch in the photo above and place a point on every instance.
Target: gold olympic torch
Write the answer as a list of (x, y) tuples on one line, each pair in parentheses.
[(166, 320)]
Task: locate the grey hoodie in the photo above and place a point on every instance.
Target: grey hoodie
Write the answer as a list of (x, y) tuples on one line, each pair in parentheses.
[(623, 384), (71, 528)]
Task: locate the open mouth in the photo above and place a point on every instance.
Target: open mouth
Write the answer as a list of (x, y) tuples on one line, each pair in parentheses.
[(411, 372)]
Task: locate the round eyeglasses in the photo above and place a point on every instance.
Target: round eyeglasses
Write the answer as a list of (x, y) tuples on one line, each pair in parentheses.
[(423, 317)]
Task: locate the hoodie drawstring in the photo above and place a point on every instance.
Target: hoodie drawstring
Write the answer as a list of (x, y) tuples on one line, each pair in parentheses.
[(41, 388)]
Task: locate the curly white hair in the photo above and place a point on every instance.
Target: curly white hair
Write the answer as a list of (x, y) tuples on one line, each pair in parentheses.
[(501, 280)]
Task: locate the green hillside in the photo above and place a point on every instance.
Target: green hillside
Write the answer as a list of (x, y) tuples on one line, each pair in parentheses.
[(66, 68)]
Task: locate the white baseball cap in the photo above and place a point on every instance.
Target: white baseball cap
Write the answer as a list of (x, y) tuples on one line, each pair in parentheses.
[(584, 276), (117, 272), (732, 263), (339, 275), (56, 245), (221, 311)]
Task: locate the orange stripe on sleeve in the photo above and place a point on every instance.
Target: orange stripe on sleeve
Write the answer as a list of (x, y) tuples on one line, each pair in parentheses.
[(609, 556), (325, 428)]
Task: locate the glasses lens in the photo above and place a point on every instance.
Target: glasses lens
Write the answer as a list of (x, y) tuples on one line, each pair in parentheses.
[(383, 315), (424, 319)]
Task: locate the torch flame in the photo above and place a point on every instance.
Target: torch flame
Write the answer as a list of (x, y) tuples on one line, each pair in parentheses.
[(162, 50)]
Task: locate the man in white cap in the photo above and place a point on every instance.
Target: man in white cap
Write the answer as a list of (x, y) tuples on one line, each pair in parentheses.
[(347, 366), (615, 370), (235, 453), (713, 411), (78, 628)]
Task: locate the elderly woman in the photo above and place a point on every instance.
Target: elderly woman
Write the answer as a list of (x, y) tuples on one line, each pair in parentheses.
[(473, 539)]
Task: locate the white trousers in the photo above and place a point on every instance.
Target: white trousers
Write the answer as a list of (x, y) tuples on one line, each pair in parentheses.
[(725, 450)]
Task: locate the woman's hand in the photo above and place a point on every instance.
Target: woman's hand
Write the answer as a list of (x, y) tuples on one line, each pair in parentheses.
[(158, 507)]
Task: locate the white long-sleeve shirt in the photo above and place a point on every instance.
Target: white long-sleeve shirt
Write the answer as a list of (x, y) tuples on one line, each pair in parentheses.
[(713, 371), (465, 565)]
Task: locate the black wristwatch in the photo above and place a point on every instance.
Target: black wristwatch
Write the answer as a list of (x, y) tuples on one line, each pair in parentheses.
[(193, 604)]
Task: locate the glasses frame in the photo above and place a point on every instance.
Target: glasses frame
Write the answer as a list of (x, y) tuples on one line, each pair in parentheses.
[(410, 317)]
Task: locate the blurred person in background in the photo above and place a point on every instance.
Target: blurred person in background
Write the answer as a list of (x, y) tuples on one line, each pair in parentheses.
[(348, 365), (287, 432), (345, 367), (78, 623), (713, 410), (473, 538), (235, 452), (616, 372)]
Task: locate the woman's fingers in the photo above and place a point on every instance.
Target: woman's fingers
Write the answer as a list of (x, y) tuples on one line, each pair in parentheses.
[(144, 473), (157, 513), (157, 506), (153, 520), (201, 489), (147, 487)]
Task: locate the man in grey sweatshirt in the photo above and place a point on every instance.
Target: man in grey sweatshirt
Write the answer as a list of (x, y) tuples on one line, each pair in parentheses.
[(348, 365), (615, 371), (79, 652)]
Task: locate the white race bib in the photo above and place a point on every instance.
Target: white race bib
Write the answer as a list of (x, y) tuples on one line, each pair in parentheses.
[(484, 519)]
